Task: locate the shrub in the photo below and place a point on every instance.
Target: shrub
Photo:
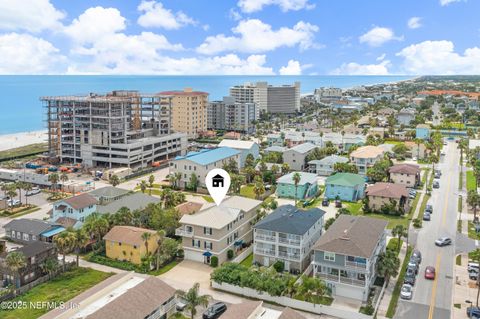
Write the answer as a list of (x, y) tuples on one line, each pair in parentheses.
[(368, 309), (214, 261), (230, 254), (279, 266)]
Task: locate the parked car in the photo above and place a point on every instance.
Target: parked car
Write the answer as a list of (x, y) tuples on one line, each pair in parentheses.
[(436, 184), (473, 312), (338, 203), (437, 176), (473, 275), (437, 171), (430, 272), (325, 202), (181, 305), (426, 216), (412, 196), (34, 191), (413, 266), (13, 202), (215, 310), (443, 241), (410, 280), (473, 267), (406, 292), (417, 256), (429, 208)]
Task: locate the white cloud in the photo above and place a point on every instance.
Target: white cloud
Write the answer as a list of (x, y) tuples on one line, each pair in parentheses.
[(30, 15), (156, 15), (256, 36), (378, 36), (220, 65), (95, 23), (353, 68), (292, 68), (439, 57), (447, 2), (414, 22), (234, 15), (381, 57), (250, 6), (26, 54)]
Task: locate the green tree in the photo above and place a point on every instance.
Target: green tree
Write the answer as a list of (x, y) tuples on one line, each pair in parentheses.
[(236, 183), (400, 150), (379, 171), (388, 264), (258, 187), (193, 182), (27, 187), (151, 180), (143, 186), (296, 180), (250, 161), (65, 242), (345, 168), (399, 231), (63, 179), (49, 266), (96, 226), (285, 168), (250, 173), (81, 240), (15, 261), (193, 299), (11, 192), (329, 222), (53, 179), (114, 180), (312, 289), (146, 237), (473, 199), (160, 238)]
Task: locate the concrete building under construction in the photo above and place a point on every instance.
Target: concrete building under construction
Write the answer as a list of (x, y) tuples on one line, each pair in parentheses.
[(121, 128)]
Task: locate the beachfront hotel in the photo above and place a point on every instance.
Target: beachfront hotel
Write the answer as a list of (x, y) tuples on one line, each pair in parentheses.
[(120, 128)]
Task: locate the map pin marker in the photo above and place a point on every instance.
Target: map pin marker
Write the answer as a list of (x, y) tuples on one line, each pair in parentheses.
[(218, 183)]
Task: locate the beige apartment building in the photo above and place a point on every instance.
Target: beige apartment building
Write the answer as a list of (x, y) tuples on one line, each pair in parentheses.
[(381, 194), (365, 157), (405, 174), (189, 111), (215, 230)]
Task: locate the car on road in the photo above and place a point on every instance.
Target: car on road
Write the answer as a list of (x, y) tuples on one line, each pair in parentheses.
[(406, 292), (439, 172), (442, 154), (443, 241), (426, 216), (436, 184), (325, 202), (430, 272), (215, 311), (338, 203), (13, 202), (32, 192), (473, 267), (413, 265), (410, 279), (473, 275), (473, 312), (417, 256), (429, 208), (437, 175)]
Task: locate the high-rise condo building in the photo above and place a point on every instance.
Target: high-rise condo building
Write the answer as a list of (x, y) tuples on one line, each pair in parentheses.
[(230, 115)]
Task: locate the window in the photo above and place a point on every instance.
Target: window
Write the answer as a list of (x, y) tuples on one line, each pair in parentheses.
[(207, 245), (26, 237), (196, 243), (207, 230), (329, 256), (13, 234), (34, 237)]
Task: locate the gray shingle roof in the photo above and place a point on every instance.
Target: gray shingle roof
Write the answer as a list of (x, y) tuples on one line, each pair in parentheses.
[(29, 226), (35, 248), (108, 191), (302, 148), (133, 202), (352, 236), (290, 220)]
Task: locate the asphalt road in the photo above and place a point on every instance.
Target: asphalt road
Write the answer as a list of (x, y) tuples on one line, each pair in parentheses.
[(437, 117), (433, 298)]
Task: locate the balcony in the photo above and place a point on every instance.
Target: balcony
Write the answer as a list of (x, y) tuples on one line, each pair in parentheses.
[(265, 238), (183, 232), (352, 264), (289, 255), (293, 242), (341, 279), (263, 251)]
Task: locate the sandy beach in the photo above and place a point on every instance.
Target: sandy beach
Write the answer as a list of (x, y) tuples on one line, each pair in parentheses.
[(14, 140)]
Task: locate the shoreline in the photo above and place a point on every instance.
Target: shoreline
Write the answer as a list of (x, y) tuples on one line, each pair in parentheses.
[(14, 140)]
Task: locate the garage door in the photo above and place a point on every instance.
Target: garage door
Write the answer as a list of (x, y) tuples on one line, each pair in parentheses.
[(193, 255)]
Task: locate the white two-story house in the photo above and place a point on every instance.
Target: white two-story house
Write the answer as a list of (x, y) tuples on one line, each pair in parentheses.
[(365, 157), (287, 234)]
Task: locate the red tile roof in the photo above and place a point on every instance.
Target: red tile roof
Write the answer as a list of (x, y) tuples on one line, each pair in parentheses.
[(388, 190), (410, 169)]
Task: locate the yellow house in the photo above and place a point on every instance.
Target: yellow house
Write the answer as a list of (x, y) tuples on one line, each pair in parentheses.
[(126, 243)]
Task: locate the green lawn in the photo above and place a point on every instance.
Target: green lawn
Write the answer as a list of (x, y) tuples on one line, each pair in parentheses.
[(247, 262), (21, 212), (392, 307), (247, 191), (471, 231), (354, 208), (460, 181), (393, 220), (23, 151), (470, 181), (209, 199), (460, 204), (393, 244), (164, 269), (60, 289)]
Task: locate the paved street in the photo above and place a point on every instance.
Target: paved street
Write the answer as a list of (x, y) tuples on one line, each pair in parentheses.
[(437, 117), (433, 299)]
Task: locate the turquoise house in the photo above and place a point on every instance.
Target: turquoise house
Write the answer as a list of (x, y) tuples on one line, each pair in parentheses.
[(422, 131), (345, 186), (75, 208), (306, 188)]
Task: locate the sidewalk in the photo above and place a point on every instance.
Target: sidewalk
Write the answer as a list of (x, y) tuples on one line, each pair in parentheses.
[(383, 307)]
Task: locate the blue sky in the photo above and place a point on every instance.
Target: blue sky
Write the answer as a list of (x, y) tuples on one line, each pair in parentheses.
[(209, 37)]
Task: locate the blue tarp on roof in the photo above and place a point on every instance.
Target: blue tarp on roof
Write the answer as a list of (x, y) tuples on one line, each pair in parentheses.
[(209, 156), (53, 232)]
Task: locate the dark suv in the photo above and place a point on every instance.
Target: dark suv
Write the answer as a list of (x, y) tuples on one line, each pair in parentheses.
[(215, 310)]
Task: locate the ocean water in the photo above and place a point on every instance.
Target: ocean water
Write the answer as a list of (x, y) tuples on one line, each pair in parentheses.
[(21, 109)]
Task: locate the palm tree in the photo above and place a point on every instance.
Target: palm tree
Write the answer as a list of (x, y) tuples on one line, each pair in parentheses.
[(27, 187), (146, 237), (311, 289), (285, 168), (151, 180), (15, 261), (258, 188), (399, 231), (143, 186), (53, 178), (64, 179), (11, 192), (96, 226), (81, 241), (161, 237), (178, 178), (388, 264), (275, 169), (296, 180), (473, 199), (193, 299), (65, 242), (49, 266), (19, 186), (114, 180)]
